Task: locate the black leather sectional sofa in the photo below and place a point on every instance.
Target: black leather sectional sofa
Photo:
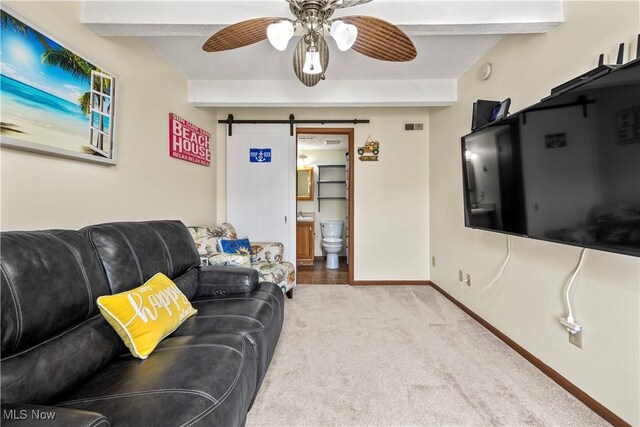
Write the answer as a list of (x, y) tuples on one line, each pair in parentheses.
[(61, 359)]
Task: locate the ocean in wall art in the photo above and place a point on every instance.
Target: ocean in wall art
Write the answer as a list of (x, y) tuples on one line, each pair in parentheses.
[(31, 114), (44, 90)]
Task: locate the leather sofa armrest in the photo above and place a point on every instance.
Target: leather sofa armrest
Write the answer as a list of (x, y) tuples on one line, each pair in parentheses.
[(52, 416), (216, 281)]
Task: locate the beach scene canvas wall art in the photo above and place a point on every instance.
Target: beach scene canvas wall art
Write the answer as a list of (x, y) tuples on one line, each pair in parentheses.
[(53, 100)]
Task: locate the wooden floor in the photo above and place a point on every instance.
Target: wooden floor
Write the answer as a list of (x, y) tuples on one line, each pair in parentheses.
[(318, 274)]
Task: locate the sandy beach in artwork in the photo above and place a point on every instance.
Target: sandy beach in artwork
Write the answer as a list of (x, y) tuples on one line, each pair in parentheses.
[(35, 116), (22, 130)]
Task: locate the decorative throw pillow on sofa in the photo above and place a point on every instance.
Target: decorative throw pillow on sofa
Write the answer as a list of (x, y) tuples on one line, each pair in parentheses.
[(144, 316), (238, 246)]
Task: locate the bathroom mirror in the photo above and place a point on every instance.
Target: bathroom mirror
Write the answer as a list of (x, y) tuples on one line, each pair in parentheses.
[(305, 183)]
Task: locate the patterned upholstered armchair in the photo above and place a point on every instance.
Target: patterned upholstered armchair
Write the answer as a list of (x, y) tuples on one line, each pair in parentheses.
[(265, 257)]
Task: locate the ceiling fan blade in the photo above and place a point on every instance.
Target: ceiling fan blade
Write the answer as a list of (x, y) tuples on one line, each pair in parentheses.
[(351, 3), (381, 40), (299, 57), (239, 35)]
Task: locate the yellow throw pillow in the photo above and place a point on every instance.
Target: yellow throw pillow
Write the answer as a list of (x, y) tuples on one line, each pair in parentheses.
[(144, 316)]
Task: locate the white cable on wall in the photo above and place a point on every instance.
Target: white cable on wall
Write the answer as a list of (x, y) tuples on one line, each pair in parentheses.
[(570, 318), (504, 265)]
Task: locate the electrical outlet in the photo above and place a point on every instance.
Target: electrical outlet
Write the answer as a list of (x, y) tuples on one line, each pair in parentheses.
[(460, 276), (433, 261), (468, 281), (576, 339)]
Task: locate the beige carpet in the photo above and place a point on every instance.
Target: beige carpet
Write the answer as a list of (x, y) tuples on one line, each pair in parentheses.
[(400, 356)]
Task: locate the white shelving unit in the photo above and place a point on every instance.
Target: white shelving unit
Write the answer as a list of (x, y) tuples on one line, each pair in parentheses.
[(331, 176)]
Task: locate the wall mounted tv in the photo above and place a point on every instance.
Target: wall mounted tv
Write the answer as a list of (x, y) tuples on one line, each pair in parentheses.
[(565, 170)]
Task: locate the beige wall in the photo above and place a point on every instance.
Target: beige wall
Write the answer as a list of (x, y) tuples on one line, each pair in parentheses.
[(43, 192), (391, 223), (527, 302)]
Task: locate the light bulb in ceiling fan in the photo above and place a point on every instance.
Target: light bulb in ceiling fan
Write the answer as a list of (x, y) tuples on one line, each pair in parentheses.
[(344, 34), (312, 63), (280, 33)]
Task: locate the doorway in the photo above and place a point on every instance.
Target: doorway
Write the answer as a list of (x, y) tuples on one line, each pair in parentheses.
[(325, 183)]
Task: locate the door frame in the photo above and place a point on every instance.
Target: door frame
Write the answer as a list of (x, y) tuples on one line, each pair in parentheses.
[(350, 132)]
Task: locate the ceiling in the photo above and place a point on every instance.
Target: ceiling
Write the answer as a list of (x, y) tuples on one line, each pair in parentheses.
[(261, 61), (449, 36)]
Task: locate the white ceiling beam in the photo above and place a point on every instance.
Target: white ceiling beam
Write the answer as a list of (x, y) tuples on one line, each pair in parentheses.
[(416, 17), (335, 93)]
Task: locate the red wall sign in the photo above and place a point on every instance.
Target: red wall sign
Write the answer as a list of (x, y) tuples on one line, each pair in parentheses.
[(188, 142)]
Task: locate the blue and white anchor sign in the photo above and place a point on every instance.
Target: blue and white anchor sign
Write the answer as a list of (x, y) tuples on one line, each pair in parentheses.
[(260, 155)]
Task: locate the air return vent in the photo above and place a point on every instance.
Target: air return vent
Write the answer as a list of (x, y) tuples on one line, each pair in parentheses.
[(332, 142), (413, 126)]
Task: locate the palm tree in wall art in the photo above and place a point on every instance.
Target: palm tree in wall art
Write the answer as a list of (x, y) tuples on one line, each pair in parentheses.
[(47, 93), (72, 64)]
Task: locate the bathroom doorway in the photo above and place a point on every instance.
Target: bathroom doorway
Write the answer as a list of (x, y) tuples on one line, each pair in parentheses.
[(324, 206)]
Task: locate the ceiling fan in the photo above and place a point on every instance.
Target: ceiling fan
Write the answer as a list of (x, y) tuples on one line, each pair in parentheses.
[(367, 35)]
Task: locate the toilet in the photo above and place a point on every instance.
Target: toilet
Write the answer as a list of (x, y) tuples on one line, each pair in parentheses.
[(332, 241)]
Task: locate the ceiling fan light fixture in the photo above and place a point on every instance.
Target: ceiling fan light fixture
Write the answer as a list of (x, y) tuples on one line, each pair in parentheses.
[(279, 34), (312, 19), (312, 64), (344, 34)]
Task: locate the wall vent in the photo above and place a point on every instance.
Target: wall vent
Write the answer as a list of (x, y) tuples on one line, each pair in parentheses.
[(413, 126), (332, 142)]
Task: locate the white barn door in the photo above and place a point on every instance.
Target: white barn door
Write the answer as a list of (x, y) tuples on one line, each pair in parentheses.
[(261, 183)]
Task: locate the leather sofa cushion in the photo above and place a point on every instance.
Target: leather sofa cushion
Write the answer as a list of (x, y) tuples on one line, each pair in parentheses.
[(50, 281), (132, 252), (38, 374), (187, 379), (188, 283), (258, 317)]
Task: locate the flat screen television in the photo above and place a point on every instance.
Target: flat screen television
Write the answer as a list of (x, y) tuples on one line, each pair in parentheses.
[(564, 170)]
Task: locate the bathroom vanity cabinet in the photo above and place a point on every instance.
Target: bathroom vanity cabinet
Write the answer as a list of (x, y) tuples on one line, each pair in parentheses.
[(305, 238)]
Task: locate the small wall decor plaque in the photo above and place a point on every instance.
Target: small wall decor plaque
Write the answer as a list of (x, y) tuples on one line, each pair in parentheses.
[(556, 140), (629, 126), (369, 152), (260, 155)]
